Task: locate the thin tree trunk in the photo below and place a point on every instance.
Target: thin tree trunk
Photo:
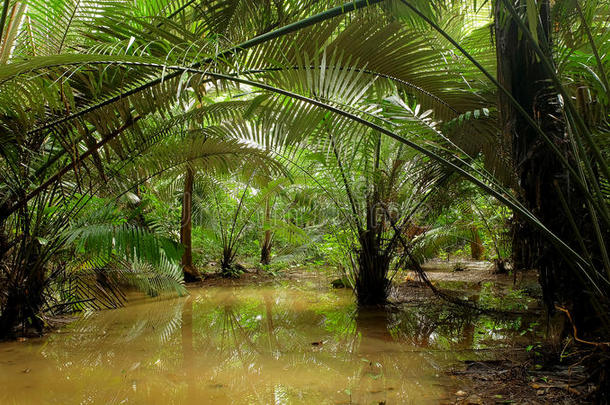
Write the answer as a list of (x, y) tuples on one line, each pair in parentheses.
[(266, 245), (226, 263), (186, 228), (476, 246), (266, 249)]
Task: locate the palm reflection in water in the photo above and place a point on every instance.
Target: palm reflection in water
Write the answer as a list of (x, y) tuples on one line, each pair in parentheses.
[(255, 344)]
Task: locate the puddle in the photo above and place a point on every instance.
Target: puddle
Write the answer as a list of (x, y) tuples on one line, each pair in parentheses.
[(289, 343)]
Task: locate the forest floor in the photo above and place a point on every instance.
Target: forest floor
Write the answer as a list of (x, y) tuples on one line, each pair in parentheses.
[(517, 375), (518, 382)]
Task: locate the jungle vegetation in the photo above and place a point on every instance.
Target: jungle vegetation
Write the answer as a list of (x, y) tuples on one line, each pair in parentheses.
[(141, 140)]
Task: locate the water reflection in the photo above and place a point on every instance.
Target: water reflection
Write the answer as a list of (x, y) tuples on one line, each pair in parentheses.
[(258, 344)]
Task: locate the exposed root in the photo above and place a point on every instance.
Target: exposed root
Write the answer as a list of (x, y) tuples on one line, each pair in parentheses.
[(575, 331)]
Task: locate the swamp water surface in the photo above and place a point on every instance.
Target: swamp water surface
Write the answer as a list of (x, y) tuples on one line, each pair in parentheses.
[(292, 342)]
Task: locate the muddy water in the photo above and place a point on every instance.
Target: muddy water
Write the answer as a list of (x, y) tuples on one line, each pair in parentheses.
[(278, 344)]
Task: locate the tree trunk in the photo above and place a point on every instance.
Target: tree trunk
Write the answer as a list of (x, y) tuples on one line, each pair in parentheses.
[(476, 246), (226, 263), (522, 74), (266, 249), (539, 171), (186, 228), (25, 295), (228, 267), (372, 285), (266, 245)]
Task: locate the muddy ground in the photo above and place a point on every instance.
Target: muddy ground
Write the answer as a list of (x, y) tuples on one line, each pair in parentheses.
[(519, 375)]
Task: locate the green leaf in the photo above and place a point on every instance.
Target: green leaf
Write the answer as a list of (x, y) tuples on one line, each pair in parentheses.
[(532, 18)]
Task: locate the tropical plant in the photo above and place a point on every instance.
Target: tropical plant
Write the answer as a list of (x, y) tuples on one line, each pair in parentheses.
[(79, 104), (238, 212)]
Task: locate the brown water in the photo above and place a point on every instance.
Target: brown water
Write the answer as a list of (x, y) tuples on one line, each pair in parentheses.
[(279, 344)]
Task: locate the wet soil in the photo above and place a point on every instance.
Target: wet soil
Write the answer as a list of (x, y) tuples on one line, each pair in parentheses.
[(528, 374), (507, 382)]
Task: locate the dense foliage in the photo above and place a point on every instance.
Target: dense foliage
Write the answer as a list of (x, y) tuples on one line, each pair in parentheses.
[(143, 140)]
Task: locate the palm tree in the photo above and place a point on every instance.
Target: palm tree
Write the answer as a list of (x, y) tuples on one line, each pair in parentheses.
[(546, 166), (78, 106), (221, 128), (381, 188), (282, 228), (103, 119), (237, 208), (567, 147), (186, 227)]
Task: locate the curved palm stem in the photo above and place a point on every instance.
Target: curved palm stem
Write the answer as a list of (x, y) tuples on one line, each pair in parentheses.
[(3, 18), (142, 62), (577, 179), (501, 196), (513, 204), (288, 29)]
